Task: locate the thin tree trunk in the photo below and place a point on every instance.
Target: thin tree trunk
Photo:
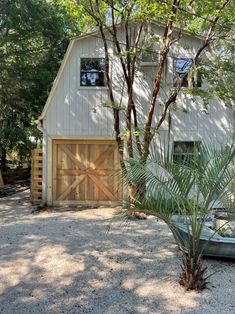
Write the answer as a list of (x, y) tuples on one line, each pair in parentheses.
[(111, 97), (157, 81)]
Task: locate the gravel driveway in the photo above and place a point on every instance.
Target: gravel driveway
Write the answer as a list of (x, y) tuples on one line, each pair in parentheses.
[(70, 262)]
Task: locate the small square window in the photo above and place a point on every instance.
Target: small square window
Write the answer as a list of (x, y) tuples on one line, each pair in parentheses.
[(150, 57), (184, 152), (182, 70), (92, 72)]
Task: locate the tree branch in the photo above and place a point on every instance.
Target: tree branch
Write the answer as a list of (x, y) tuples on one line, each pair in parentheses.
[(156, 87), (172, 98)]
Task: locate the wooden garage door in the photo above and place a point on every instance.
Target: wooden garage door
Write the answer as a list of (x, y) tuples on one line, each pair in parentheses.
[(86, 172)]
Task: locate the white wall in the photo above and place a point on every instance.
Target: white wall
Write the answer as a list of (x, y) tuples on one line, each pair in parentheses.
[(78, 111)]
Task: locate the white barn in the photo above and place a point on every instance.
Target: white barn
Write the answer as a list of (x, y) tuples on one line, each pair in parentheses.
[(79, 150)]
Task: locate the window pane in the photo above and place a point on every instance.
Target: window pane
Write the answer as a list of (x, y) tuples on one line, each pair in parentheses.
[(150, 56), (97, 64), (184, 147), (92, 71), (182, 66), (184, 152), (181, 69), (183, 159), (92, 78)]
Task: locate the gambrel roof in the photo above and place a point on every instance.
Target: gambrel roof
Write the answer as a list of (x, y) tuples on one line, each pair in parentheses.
[(94, 34)]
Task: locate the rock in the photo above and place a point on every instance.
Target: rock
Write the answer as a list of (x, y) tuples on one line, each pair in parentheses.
[(139, 215)]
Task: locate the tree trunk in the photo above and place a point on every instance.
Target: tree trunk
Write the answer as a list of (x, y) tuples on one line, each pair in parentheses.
[(132, 190)]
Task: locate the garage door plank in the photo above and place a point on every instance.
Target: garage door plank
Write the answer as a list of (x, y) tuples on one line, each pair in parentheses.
[(70, 154), (75, 183), (104, 156), (103, 188)]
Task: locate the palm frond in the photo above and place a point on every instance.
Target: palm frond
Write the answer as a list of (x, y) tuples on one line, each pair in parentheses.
[(166, 188)]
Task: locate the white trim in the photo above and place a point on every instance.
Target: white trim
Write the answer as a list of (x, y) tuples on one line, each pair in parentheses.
[(44, 167), (148, 64), (49, 170), (156, 23), (92, 88), (56, 81), (82, 137)]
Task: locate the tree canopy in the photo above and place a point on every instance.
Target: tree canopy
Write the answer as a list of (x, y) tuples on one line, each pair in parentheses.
[(33, 39)]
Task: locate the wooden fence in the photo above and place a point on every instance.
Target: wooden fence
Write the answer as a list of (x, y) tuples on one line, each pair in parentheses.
[(36, 176)]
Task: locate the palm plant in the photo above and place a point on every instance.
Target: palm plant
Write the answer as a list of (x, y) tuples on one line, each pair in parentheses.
[(190, 189)]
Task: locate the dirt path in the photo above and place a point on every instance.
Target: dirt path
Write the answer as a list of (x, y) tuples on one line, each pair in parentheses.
[(68, 262)]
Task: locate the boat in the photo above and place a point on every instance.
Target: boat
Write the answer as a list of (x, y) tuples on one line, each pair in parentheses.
[(211, 243)]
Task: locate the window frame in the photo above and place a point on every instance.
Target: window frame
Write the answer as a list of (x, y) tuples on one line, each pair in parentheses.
[(185, 157), (82, 71), (152, 58)]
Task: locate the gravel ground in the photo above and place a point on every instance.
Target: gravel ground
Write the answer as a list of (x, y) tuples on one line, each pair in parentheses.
[(87, 262)]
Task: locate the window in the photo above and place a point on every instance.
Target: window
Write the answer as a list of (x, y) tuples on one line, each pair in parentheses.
[(182, 68), (184, 152), (92, 72), (149, 57)]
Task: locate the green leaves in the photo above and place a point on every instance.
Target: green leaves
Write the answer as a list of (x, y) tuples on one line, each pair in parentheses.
[(33, 39), (187, 189)]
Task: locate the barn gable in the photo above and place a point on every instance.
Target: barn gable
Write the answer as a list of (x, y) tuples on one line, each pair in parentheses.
[(72, 110)]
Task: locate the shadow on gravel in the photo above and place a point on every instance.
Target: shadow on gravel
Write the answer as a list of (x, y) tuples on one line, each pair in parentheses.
[(70, 263)]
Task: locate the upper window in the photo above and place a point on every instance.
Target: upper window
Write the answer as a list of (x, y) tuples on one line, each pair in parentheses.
[(149, 57), (182, 70), (92, 72), (184, 152)]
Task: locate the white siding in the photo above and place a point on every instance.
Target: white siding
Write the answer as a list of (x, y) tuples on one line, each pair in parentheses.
[(75, 110), (78, 111), (216, 125)]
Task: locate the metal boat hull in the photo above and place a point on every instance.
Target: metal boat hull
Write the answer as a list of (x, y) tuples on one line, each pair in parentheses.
[(216, 246)]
